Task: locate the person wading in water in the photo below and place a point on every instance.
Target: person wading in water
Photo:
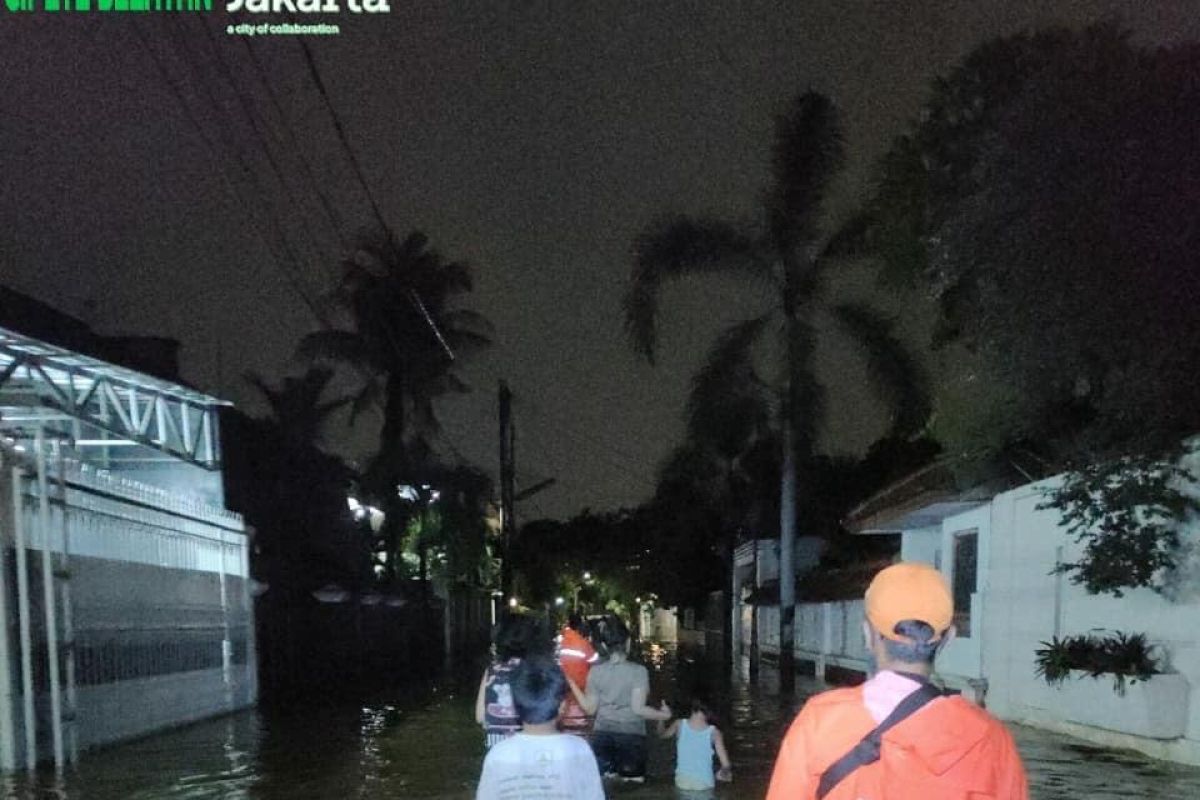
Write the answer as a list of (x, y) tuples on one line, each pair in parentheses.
[(898, 737)]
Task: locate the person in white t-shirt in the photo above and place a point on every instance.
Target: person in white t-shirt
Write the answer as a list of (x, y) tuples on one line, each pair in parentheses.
[(539, 762)]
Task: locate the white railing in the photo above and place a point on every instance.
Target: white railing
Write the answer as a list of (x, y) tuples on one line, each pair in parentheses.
[(75, 471), (825, 633)]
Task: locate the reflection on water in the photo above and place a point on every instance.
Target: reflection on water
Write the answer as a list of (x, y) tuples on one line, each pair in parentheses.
[(426, 745)]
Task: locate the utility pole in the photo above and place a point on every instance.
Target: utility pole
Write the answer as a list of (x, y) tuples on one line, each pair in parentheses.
[(507, 480)]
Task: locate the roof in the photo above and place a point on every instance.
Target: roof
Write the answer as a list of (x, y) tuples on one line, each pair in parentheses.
[(136, 407), (920, 500)]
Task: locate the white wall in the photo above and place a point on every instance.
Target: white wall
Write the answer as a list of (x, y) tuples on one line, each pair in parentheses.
[(923, 544), (1027, 605)]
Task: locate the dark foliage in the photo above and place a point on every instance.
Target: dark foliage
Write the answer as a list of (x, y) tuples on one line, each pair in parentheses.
[(1126, 514), (1047, 198)]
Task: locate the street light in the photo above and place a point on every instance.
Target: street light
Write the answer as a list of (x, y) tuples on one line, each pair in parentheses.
[(558, 601)]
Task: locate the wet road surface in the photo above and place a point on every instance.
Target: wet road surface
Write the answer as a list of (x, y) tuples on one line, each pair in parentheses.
[(427, 746)]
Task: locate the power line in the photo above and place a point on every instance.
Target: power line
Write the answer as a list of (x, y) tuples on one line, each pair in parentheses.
[(236, 194), (334, 220), (259, 132), (349, 151)]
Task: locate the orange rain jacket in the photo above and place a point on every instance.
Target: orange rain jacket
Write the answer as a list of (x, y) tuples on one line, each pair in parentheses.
[(948, 750)]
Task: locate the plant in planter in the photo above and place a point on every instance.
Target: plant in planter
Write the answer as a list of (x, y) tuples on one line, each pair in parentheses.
[(1127, 657)]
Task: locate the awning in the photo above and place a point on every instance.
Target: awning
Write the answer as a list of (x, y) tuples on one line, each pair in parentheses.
[(131, 405)]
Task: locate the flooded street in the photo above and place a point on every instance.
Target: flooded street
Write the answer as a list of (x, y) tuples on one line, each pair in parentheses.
[(427, 746)]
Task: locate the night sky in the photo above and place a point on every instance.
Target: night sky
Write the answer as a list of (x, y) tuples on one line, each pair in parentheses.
[(531, 139)]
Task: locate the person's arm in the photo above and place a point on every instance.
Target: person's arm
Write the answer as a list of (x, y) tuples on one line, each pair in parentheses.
[(588, 700), (726, 771), (479, 698), (791, 779), (637, 705), (668, 731)]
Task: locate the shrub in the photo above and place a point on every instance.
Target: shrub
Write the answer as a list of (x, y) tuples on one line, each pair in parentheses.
[(1128, 657), (1126, 515)]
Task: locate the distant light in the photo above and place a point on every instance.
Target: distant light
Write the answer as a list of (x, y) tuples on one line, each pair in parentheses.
[(558, 601), (407, 492), (104, 442), (637, 599), (353, 503), (512, 602), (587, 576), (434, 496)]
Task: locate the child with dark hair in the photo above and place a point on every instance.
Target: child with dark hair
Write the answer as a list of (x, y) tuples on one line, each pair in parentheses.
[(513, 640), (697, 738), (539, 762)]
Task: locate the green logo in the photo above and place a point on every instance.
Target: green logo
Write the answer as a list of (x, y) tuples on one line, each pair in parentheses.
[(109, 5)]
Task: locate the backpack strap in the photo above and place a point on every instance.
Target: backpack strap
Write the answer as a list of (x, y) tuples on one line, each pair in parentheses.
[(867, 749)]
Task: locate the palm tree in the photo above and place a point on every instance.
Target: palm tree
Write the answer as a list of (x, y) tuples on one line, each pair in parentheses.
[(296, 405), (789, 254), (407, 335)]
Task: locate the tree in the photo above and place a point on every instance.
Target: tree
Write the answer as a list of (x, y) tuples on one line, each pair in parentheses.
[(407, 333), (1046, 200), (296, 405), (789, 254)]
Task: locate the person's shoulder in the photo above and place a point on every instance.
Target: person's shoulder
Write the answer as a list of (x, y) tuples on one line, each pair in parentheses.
[(504, 750), (996, 729), (574, 744), (832, 698)]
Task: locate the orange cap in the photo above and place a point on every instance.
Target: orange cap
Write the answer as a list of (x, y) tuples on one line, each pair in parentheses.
[(910, 590)]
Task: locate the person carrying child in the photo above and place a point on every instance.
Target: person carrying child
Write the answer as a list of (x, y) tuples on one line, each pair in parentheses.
[(697, 738), (539, 762)]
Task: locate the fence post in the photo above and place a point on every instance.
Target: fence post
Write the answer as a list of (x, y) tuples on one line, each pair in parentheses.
[(826, 638)]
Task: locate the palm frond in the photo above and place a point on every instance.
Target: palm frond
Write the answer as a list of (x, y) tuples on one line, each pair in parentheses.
[(370, 395), (898, 378), (258, 382), (344, 347), (729, 405), (673, 247), (851, 240), (464, 319), (808, 151)]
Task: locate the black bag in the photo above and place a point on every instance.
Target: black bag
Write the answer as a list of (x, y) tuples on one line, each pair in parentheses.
[(867, 750)]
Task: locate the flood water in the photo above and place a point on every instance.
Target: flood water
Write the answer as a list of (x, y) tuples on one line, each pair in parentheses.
[(425, 745)]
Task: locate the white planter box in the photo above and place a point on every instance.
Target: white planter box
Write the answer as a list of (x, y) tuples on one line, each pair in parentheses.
[(1155, 709)]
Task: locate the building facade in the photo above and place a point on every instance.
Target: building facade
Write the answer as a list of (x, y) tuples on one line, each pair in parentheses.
[(124, 584)]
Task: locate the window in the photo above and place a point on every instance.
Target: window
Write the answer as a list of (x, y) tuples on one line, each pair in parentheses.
[(966, 559)]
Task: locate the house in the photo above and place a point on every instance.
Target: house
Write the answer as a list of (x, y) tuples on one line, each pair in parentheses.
[(124, 591), (999, 551)]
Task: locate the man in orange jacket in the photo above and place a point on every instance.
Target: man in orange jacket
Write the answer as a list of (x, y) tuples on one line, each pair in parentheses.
[(576, 656), (897, 737)]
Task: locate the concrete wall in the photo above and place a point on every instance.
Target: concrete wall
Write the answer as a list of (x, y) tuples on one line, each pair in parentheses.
[(1026, 605), (826, 634)]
